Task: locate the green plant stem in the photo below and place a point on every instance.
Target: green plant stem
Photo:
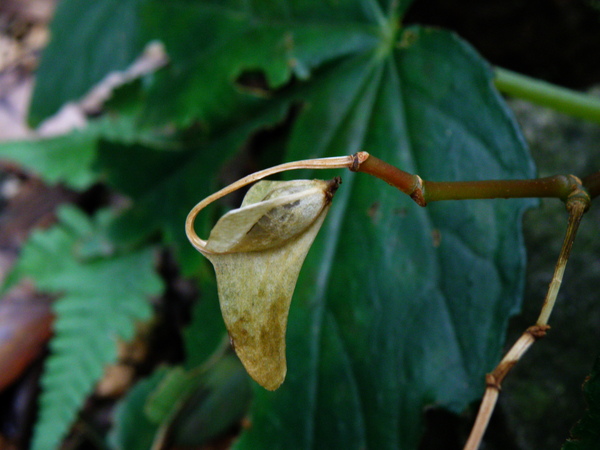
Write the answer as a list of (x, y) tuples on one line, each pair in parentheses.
[(423, 192), (559, 186), (546, 94)]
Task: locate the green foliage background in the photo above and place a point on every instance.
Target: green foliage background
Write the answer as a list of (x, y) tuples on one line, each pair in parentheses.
[(397, 307)]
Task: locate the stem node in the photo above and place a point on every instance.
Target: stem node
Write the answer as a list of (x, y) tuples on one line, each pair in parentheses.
[(492, 382), (418, 194), (357, 159), (538, 331)]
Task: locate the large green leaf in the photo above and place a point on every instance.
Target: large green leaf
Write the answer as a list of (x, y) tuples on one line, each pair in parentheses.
[(102, 295), (91, 39), (224, 39), (133, 428), (399, 307)]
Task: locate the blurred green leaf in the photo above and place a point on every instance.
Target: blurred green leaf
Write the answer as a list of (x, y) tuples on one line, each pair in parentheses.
[(585, 435), (212, 43), (100, 300), (92, 39), (206, 331), (66, 158), (170, 393), (71, 158), (166, 185), (89, 40), (133, 429), (187, 408), (221, 401)]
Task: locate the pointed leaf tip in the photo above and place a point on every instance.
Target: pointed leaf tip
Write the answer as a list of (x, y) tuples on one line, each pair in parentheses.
[(257, 251)]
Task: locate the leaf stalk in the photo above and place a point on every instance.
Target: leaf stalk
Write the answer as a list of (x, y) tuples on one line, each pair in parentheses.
[(567, 101), (424, 192)]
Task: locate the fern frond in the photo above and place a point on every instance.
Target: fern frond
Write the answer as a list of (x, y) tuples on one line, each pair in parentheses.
[(100, 299)]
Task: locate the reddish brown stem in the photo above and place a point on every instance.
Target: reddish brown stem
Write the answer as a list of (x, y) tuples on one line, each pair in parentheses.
[(406, 182), (423, 192)]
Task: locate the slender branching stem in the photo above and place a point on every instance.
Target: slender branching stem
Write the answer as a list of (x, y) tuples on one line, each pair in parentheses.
[(493, 385), (576, 193), (546, 94), (488, 403), (577, 205), (569, 188), (424, 192)]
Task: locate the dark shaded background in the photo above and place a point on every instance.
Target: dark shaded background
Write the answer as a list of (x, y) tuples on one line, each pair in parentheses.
[(557, 41)]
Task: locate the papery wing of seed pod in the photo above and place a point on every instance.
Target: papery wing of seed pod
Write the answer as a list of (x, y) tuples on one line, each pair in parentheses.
[(264, 244), (272, 212)]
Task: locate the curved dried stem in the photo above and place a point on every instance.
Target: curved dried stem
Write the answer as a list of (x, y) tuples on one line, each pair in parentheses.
[(341, 162), (494, 382), (576, 208), (577, 204)]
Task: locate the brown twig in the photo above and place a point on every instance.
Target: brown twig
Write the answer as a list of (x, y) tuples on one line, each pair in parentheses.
[(406, 182), (424, 192), (577, 204)]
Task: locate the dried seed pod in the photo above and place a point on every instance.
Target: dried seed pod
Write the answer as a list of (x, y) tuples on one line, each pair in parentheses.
[(257, 252)]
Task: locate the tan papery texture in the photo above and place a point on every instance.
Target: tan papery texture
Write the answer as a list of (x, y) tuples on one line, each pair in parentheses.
[(257, 252)]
